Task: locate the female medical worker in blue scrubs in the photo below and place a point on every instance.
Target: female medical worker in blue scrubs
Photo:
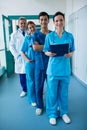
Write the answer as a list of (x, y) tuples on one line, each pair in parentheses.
[(58, 71), (29, 56)]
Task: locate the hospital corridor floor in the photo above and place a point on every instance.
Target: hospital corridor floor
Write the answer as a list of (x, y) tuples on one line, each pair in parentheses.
[(17, 114)]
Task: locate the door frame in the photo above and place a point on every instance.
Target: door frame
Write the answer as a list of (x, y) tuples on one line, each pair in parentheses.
[(8, 55)]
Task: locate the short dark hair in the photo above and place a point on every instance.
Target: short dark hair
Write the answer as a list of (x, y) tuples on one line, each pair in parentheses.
[(58, 13), (43, 14)]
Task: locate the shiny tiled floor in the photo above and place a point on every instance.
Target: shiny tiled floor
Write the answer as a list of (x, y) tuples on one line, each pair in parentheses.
[(17, 114)]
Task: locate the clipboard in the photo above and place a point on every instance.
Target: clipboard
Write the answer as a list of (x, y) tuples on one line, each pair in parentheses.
[(60, 49)]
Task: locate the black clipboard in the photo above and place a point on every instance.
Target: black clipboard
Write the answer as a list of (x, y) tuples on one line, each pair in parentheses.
[(60, 49)]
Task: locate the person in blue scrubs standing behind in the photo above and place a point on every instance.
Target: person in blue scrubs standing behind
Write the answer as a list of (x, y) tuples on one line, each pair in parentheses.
[(41, 60), (58, 71), (29, 56)]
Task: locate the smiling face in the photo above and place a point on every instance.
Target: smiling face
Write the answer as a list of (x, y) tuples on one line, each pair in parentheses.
[(59, 22), (31, 28), (22, 24), (43, 20)]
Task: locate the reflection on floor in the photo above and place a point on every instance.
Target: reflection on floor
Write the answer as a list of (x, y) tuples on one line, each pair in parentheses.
[(17, 114)]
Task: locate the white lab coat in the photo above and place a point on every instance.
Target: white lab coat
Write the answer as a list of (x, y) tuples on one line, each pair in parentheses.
[(15, 48)]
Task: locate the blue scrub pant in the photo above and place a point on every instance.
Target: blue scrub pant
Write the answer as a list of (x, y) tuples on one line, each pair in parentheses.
[(57, 95), (30, 78), (40, 76), (23, 82)]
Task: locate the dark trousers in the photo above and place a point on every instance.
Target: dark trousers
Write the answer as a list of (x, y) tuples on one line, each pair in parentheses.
[(23, 82)]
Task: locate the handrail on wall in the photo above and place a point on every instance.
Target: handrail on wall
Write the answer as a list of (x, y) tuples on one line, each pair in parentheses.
[(2, 49)]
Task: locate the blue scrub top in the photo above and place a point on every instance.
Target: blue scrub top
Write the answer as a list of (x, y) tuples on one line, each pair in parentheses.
[(59, 65), (41, 59), (27, 47)]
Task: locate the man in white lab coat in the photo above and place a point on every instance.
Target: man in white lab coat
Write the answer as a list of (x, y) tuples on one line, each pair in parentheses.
[(15, 48)]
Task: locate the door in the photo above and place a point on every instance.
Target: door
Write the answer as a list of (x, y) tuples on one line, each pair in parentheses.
[(7, 30)]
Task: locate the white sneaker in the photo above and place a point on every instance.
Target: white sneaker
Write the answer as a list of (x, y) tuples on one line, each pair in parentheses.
[(52, 121), (66, 119), (33, 104), (23, 94), (38, 111)]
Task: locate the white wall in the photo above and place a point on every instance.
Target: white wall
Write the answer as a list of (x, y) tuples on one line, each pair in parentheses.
[(72, 6), (29, 7), (76, 23)]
